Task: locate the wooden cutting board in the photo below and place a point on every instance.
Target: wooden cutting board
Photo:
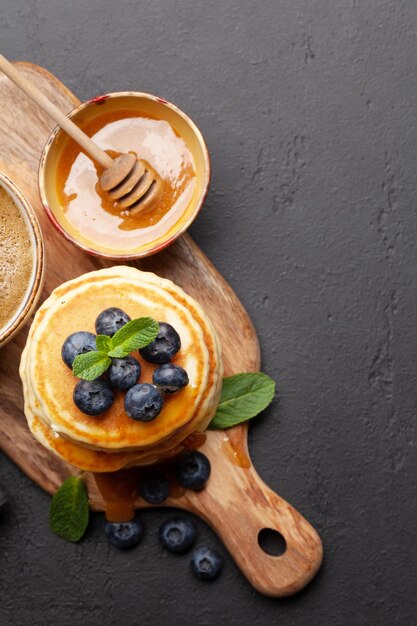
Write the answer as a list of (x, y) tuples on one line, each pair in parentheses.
[(236, 502)]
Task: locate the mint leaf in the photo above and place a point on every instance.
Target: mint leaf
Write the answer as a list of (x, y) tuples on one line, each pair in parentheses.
[(243, 396), (104, 343), (69, 510), (134, 335), (90, 365)]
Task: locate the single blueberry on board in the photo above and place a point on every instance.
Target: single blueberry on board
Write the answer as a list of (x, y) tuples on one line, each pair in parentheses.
[(193, 470), (154, 488)]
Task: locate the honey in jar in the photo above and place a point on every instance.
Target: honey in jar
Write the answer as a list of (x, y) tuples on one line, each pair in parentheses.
[(86, 209)]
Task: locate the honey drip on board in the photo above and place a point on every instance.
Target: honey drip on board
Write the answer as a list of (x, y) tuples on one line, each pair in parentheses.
[(194, 441), (175, 489), (235, 454), (119, 491)]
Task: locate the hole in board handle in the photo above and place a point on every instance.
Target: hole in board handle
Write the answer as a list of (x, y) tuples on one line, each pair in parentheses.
[(272, 542)]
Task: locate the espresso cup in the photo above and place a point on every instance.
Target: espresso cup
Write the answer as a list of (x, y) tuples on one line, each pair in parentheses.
[(32, 274)]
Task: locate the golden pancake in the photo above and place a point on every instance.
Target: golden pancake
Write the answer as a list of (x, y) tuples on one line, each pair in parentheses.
[(53, 383), (113, 440)]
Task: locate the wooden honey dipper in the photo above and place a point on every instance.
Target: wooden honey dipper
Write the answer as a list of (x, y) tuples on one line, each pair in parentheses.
[(130, 182)]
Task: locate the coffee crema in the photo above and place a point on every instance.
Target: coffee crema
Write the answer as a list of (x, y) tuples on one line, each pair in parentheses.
[(16, 258)]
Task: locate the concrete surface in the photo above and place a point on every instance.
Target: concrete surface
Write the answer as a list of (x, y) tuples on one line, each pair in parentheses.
[(309, 110)]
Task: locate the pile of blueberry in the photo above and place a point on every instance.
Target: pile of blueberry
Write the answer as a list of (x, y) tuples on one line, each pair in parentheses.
[(142, 401), (177, 534)]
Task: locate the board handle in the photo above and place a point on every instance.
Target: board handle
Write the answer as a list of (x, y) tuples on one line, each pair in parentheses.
[(243, 510)]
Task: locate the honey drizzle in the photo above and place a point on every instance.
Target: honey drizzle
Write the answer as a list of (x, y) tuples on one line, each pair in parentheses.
[(119, 491), (235, 454), (194, 441), (175, 489)]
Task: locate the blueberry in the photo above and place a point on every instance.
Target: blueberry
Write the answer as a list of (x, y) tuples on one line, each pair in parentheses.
[(154, 488), (206, 563), (164, 347), (177, 534), (75, 344), (110, 321), (123, 373), (170, 378), (124, 534), (93, 396), (193, 470), (143, 402)]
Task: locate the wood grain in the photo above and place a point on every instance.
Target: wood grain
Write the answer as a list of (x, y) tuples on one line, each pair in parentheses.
[(236, 502)]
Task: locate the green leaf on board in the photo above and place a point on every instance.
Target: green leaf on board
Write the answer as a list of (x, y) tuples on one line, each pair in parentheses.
[(243, 397)]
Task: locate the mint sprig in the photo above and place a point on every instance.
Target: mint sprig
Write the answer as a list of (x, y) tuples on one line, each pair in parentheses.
[(134, 335), (103, 343), (69, 510), (90, 365), (243, 397)]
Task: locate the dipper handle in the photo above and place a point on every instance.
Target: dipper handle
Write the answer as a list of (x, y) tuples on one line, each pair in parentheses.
[(58, 116)]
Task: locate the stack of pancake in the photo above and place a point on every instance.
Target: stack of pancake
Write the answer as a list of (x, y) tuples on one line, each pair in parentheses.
[(112, 440)]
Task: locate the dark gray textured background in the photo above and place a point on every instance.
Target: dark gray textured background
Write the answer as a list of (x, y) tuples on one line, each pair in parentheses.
[(309, 110)]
